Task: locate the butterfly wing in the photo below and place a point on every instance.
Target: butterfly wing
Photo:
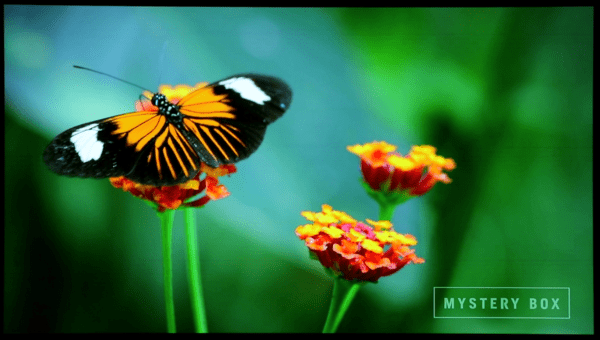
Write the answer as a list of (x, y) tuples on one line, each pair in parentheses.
[(221, 123), (228, 118), (142, 146)]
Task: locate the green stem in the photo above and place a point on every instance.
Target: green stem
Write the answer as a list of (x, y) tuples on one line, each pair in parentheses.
[(343, 293), (166, 219), (386, 211), (193, 269)]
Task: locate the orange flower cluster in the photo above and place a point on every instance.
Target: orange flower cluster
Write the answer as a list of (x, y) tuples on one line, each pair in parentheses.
[(172, 197), (355, 250), (387, 171)]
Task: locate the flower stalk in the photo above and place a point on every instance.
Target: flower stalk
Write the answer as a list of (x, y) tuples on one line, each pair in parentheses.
[(386, 211), (166, 219), (343, 293), (193, 270)]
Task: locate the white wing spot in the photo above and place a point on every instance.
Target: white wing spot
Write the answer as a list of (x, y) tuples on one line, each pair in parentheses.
[(86, 143), (246, 88)]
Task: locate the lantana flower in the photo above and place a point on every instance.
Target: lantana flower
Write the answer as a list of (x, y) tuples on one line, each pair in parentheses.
[(353, 250), (172, 197), (390, 176)]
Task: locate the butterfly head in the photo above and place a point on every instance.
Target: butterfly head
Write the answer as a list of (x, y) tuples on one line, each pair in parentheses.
[(166, 108), (159, 100)]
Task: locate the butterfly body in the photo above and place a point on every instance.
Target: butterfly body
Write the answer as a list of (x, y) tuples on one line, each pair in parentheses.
[(166, 108), (165, 144)]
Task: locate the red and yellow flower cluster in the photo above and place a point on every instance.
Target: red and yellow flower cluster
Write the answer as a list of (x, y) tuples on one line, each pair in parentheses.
[(172, 197), (355, 250), (416, 173)]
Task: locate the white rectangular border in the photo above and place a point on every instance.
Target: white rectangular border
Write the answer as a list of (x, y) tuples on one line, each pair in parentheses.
[(500, 317)]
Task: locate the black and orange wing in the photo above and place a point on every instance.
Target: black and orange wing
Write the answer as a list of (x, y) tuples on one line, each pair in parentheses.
[(228, 118), (142, 146), (221, 123)]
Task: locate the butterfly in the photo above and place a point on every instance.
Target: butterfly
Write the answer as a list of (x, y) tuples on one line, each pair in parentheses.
[(165, 144)]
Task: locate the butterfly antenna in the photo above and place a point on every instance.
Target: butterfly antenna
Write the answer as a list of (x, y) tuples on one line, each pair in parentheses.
[(106, 74), (162, 59)]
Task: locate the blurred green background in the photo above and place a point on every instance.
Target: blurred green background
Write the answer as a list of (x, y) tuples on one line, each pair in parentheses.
[(505, 92)]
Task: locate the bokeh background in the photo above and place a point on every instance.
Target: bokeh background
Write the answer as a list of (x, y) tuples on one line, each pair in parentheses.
[(505, 92)]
